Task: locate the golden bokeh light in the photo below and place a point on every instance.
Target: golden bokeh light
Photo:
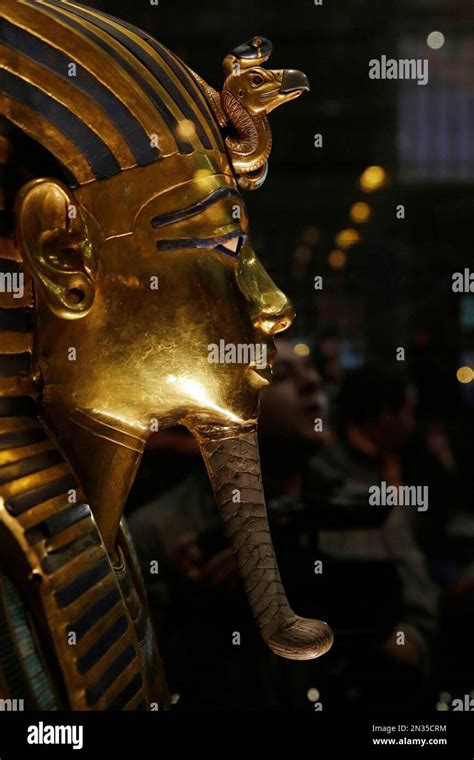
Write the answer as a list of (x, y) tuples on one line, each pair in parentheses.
[(345, 238), (360, 212), (337, 259), (465, 374), (373, 178), (301, 349)]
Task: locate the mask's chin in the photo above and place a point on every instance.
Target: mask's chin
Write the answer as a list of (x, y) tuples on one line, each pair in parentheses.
[(222, 398), (259, 377)]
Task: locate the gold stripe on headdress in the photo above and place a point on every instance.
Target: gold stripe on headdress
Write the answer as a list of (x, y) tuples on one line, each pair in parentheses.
[(72, 98), (56, 32), (37, 127), (161, 91)]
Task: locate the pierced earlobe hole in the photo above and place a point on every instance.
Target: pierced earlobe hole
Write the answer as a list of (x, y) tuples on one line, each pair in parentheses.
[(75, 296)]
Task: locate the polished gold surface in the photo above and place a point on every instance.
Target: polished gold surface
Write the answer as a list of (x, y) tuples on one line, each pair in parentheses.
[(141, 263), (146, 317)]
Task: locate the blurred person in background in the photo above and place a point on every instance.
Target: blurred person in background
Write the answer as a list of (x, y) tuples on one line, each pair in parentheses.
[(379, 595), (355, 566)]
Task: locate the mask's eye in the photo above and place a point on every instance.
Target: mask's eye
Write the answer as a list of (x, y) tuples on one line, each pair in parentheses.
[(231, 246)]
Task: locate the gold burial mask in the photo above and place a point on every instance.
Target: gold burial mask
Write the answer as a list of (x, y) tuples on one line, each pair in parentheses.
[(150, 306)]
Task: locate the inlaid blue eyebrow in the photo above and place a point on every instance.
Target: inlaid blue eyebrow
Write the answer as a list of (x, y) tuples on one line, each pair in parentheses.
[(177, 216), (217, 243)]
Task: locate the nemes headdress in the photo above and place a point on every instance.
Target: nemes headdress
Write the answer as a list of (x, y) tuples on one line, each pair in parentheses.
[(85, 97), (99, 94), (103, 96)]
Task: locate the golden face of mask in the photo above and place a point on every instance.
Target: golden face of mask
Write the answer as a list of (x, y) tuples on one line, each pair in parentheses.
[(153, 308)]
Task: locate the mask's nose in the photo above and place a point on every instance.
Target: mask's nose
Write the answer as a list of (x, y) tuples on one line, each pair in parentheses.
[(277, 315), (270, 309)]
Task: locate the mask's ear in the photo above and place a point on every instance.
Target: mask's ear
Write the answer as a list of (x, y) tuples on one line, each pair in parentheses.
[(52, 236)]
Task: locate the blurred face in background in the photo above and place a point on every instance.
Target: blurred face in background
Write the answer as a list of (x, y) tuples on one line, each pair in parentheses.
[(394, 427), (292, 406)]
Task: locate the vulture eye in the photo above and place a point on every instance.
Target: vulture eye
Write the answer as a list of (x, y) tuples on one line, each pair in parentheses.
[(256, 80)]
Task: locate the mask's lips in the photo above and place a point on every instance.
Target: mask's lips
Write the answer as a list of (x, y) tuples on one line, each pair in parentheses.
[(264, 371)]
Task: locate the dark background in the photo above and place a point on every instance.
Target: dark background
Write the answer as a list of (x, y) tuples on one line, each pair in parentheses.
[(396, 286), (395, 289)]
